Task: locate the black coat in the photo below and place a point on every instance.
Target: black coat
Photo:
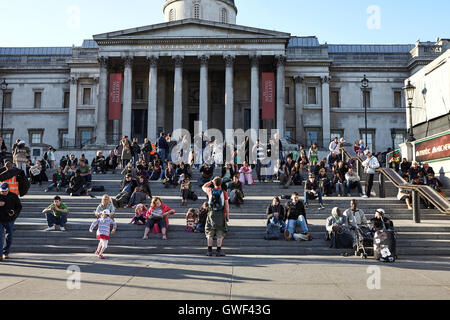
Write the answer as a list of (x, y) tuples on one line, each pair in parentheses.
[(292, 211), (271, 209), (12, 202)]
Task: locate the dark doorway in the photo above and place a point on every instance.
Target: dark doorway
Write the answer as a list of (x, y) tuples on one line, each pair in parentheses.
[(139, 124), (192, 118)]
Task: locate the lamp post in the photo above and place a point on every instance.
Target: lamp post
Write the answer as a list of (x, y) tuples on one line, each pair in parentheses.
[(3, 86), (409, 90), (364, 86)]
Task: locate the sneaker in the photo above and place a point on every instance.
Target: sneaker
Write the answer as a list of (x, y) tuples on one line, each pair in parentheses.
[(220, 254), (209, 254), (101, 256), (349, 195), (62, 229), (321, 207), (364, 196), (373, 194), (4, 257), (287, 235), (50, 229)]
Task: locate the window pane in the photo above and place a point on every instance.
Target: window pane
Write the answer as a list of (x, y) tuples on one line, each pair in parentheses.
[(139, 91), (85, 136), (312, 95), (370, 136), (8, 99), (398, 139), (35, 138), (312, 137), (397, 99), (7, 138), (286, 95), (66, 102), (335, 99), (37, 100), (87, 96)]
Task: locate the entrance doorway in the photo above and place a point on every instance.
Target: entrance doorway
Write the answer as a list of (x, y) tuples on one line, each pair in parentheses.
[(192, 118), (139, 124)]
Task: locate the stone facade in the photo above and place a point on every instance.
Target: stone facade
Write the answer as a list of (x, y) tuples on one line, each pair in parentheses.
[(188, 69)]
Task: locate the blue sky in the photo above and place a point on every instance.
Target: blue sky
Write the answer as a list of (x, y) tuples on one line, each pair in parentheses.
[(63, 23)]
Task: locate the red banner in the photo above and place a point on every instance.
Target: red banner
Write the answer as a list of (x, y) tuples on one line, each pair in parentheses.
[(115, 96), (433, 149), (268, 104)]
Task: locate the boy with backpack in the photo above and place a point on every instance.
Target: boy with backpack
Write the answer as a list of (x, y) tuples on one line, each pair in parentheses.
[(218, 215)]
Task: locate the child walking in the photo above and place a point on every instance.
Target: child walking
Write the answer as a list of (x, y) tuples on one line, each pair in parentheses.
[(191, 220), (139, 215), (104, 224)]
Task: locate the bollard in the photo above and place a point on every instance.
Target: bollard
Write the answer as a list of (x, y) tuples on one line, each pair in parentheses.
[(381, 185), (416, 206)]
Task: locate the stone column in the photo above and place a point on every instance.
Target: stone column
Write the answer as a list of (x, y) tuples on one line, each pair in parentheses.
[(229, 92), (100, 130), (254, 62), (326, 111), (203, 110), (178, 93), (127, 96), (73, 110), (152, 98), (281, 84), (299, 131)]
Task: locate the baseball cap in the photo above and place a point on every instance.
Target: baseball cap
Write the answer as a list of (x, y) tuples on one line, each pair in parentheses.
[(4, 186), (381, 211), (106, 211), (366, 152)]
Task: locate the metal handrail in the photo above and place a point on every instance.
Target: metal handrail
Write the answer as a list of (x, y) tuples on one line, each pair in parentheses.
[(439, 202)]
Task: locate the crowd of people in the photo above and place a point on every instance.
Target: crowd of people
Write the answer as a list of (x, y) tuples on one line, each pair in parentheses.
[(140, 164)]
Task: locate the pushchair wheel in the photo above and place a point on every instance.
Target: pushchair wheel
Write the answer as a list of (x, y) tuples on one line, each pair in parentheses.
[(363, 255)]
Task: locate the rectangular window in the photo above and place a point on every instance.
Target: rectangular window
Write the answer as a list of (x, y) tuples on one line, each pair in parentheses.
[(397, 99), (37, 100), (334, 99), (35, 136), (7, 100), (313, 136), (66, 100), (312, 99), (247, 119), (86, 96), (337, 133), (139, 90), (286, 96), (370, 138), (85, 136), (366, 98), (7, 137), (63, 137)]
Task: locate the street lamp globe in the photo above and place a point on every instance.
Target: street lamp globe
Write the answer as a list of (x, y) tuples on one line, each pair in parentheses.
[(3, 85), (409, 90), (364, 82)]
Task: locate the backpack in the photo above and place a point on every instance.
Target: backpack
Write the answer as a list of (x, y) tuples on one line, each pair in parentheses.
[(24, 183), (216, 202)]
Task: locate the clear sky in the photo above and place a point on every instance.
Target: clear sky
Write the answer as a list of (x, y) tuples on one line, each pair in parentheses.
[(31, 23)]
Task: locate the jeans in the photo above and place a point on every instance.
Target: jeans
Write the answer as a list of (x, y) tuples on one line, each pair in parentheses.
[(9, 228), (52, 219), (162, 155), (294, 223), (58, 185), (339, 188), (351, 185), (309, 195), (200, 228), (369, 184)]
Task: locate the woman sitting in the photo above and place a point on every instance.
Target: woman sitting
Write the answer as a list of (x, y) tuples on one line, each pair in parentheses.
[(105, 204), (245, 174), (170, 176), (325, 182), (235, 191), (186, 191), (275, 220), (137, 197), (296, 174), (227, 173), (157, 172), (338, 231), (158, 214)]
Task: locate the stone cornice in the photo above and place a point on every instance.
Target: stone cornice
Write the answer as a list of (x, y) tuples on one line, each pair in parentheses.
[(184, 41)]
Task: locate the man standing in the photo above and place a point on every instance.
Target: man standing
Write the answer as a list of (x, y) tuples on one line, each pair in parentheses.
[(218, 214), (163, 147), (370, 165), (10, 208)]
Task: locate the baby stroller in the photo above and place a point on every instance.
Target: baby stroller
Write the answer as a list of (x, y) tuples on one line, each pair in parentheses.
[(364, 242)]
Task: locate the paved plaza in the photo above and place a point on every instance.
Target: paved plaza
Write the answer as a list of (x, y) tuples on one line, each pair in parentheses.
[(178, 277)]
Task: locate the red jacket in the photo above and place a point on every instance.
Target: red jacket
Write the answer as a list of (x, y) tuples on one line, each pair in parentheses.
[(164, 210)]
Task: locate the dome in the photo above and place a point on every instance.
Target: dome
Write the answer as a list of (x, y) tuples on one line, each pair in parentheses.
[(223, 11)]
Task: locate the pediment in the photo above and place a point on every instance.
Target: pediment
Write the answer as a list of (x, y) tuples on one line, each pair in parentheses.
[(192, 28)]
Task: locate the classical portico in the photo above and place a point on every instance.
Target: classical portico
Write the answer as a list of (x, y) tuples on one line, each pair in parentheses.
[(213, 77)]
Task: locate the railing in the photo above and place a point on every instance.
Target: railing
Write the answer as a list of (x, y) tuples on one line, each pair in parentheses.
[(439, 202)]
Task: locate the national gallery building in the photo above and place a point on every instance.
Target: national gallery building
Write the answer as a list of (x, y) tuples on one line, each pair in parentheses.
[(200, 65)]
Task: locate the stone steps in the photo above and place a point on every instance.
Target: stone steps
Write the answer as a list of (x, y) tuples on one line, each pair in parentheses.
[(246, 228)]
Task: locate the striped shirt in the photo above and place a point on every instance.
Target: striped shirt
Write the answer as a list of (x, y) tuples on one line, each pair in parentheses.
[(104, 226)]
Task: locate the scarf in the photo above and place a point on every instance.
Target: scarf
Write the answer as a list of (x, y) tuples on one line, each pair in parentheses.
[(335, 215)]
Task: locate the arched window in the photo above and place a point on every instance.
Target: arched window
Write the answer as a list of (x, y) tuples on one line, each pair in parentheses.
[(196, 11), (172, 15), (224, 15)]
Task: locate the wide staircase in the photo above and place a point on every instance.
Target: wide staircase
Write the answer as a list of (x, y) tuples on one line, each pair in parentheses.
[(246, 227)]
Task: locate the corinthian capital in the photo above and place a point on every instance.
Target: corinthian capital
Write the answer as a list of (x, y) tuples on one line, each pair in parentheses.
[(298, 79), (229, 60), (103, 61), (128, 62), (325, 79), (280, 60), (254, 60), (153, 61), (178, 61), (204, 59)]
